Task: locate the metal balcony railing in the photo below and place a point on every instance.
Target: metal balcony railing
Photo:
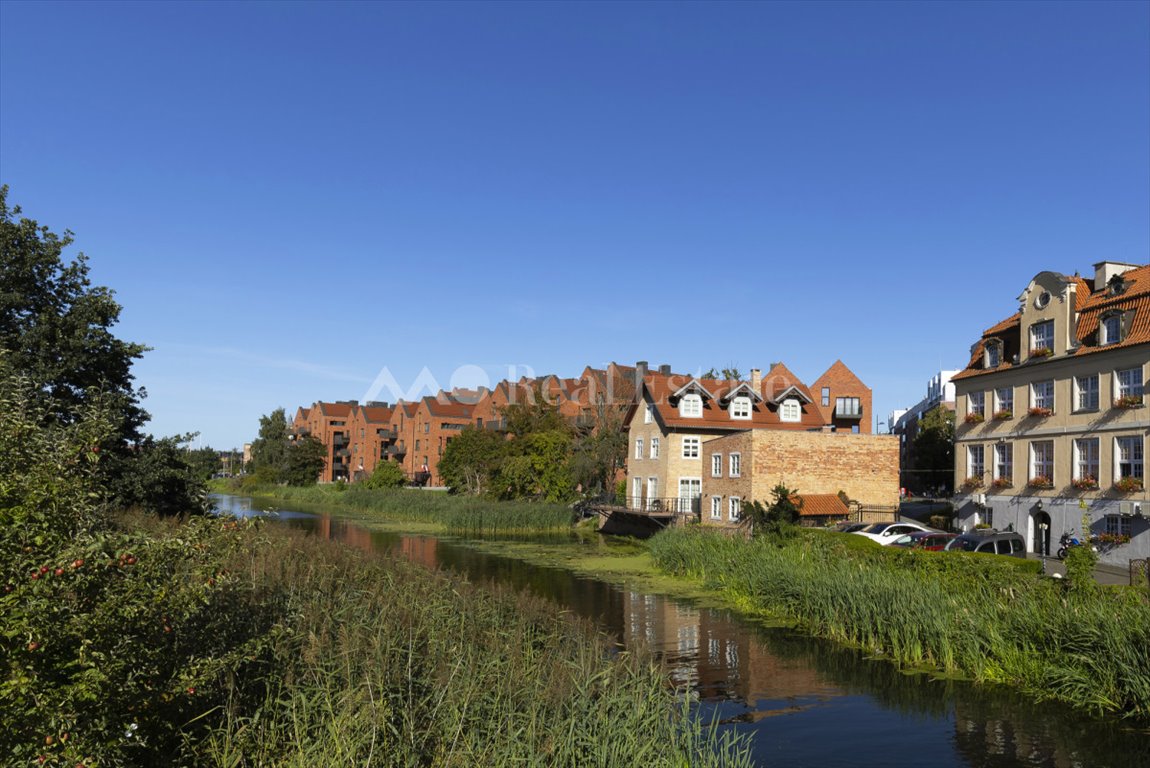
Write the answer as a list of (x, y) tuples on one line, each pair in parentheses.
[(672, 505)]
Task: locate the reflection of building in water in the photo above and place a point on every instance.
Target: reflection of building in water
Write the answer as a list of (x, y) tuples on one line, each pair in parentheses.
[(997, 742), (420, 549), (339, 530), (709, 652)]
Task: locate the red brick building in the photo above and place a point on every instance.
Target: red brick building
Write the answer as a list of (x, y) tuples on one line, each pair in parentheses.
[(845, 402)]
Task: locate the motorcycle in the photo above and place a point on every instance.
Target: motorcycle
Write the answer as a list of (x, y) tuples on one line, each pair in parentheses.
[(1067, 541)]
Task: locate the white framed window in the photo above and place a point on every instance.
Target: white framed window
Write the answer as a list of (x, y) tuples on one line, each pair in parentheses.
[(1086, 459), (691, 406), (1042, 461), (1086, 392), (636, 492), (1042, 394), (847, 406), (1004, 400), (716, 465), (735, 465), (975, 461), (690, 447), (1042, 335), (1128, 461), (976, 404), (1128, 383), (652, 491), (649, 414), (1111, 329), (1004, 462), (1119, 525), (639, 448), (654, 447), (993, 354), (690, 490), (716, 507), (734, 508), (826, 396), (741, 407), (790, 410)]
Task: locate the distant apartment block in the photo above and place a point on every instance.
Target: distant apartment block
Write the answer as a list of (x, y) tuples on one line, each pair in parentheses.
[(904, 425)]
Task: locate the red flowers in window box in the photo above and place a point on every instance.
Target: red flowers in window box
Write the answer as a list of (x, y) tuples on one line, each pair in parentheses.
[(1128, 484), (1128, 401), (1041, 352), (971, 483), (1000, 483), (1041, 481), (1004, 415), (1040, 412), (1087, 483), (974, 417)]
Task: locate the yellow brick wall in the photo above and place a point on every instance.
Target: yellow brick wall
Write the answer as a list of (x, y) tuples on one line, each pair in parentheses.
[(865, 467)]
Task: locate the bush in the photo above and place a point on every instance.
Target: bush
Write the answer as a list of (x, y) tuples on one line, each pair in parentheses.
[(387, 474)]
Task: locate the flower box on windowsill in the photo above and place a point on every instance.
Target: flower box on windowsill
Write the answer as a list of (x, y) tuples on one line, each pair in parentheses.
[(1041, 482), (1128, 401), (1003, 415), (1128, 484), (1112, 539), (1000, 484), (972, 483), (1039, 352), (1040, 413), (975, 418), (1086, 483)]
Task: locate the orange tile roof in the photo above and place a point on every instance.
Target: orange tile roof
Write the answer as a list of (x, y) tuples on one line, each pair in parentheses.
[(661, 391), (334, 409), (374, 414), (821, 505), (448, 409), (1090, 305)]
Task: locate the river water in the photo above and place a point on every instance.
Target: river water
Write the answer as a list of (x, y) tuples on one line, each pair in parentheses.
[(808, 703)]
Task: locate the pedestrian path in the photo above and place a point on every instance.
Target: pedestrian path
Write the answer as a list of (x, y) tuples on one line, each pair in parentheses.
[(1104, 573)]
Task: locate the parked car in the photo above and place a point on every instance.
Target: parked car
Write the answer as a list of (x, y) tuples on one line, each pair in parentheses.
[(850, 527), (989, 541), (886, 533), (929, 540)]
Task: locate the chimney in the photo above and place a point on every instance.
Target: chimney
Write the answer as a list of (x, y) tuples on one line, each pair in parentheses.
[(641, 369), (1105, 270), (756, 380), (665, 370)]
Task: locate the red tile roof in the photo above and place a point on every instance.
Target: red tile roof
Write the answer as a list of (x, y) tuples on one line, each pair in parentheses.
[(821, 505), (336, 410), (661, 391)]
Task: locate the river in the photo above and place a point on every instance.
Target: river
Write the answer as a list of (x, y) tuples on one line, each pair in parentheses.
[(808, 703)]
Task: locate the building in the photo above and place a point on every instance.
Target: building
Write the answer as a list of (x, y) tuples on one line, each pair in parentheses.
[(843, 400), (692, 439), (327, 422), (1052, 425), (904, 424), (436, 421), (370, 435)]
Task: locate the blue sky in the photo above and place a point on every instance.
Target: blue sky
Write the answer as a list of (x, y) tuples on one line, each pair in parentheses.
[(289, 198)]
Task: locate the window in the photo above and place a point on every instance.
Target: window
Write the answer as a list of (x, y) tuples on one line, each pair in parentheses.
[(1128, 457), (1111, 329), (691, 406), (993, 354), (417, 444), (427, 427), (1086, 459), (690, 490), (649, 414), (1042, 336), (1129, 383), (847, 406), (1042, 394), (1118, 525), (1004, 462), (1042, 462), (976, 404), (790, 410), (654, 447), (1086, 392), (638, 448), (735, 506), (1004, 402), (652, 491), (826, 396), (741, 407), (690, 447), (716, 507), (636, 491), (735, 462), (716, 465), (975, 461)]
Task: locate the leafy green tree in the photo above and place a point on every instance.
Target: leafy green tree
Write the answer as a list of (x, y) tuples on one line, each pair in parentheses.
[(205, 462), (472, 459), (303, 460), (599, 454), (729, 374), (778, 520), (387, 474), (55, 326), (540, 467), (934, 451), (269, 450), (154, 474), (534, 416)]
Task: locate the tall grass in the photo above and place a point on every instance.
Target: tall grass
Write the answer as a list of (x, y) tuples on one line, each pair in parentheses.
[(461, 515), (986, 617), (385, 663)]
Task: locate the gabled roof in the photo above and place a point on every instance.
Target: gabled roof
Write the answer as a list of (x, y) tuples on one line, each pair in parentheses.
[(333, 410), (694, 385), (743, 388), (792, 391), (660, 391), (821, 505), (448, 409)]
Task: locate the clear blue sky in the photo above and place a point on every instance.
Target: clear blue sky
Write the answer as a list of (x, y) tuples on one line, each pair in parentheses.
[(290, 197)]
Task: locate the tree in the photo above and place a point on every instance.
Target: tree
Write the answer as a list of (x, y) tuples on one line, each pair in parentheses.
[(387, 474), (539, 467), (472, 459), (535, 416), (54, 325), (204, 462), (777, 520), (269, 450), (154, 474), (303, 461), (729, 374), (934, 451)]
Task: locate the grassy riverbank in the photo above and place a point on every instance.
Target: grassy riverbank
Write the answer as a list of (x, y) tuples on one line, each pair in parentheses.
[(987, 618), (457, 515), (213, 642)]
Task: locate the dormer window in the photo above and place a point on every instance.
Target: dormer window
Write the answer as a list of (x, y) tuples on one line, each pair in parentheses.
[(1042, 338), (1111, 328), (993, 354), (741, 408), (691, 406), (790, 410)]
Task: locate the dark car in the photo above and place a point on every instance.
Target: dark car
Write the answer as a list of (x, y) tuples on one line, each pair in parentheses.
[(990, 541), (850, 527), (929, 540)]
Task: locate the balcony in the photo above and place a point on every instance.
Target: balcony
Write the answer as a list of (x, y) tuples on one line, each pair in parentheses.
[(496, 424), (338, 440), (396, 450), (848, 411), (673, 506), (387, 434)]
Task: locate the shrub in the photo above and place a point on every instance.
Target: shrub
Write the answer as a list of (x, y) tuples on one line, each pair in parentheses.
[(387, 474)]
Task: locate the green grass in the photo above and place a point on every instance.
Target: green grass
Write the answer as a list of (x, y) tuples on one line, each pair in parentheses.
[(989, 618)]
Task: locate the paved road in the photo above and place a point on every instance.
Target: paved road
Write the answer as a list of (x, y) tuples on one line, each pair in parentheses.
[(1105, 574)]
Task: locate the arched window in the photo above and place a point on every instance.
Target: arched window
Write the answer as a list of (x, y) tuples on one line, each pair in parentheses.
[(691, 406)]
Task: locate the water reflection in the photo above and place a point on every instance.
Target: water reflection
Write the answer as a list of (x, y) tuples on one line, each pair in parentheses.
[(807, 702)]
